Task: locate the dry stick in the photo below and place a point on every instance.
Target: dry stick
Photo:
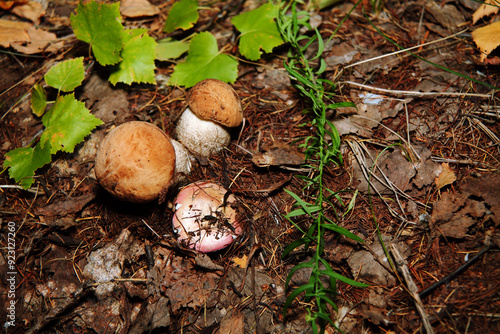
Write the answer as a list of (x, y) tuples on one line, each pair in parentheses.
[(405, 50), (412, 288), (413, 93), (454, 274)]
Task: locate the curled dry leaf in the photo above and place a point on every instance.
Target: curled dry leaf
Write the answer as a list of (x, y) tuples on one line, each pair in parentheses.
[(489, 7), (138, 8), (487, 39), (446, 177), (25, 38)]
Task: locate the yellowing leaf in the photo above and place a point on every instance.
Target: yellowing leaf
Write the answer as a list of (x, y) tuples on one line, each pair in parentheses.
[(487, 38), (489, 7), (446, 177), (241, 261)]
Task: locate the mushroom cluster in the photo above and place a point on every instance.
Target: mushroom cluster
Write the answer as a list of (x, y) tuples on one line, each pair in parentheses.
[(137, 161)]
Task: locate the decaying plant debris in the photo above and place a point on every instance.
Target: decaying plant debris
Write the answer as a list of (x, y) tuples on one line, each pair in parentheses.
[(425, 166)]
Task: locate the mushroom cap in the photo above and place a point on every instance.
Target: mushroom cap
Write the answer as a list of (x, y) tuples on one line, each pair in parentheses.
[(201, 220), (135, 162), (215, 100)]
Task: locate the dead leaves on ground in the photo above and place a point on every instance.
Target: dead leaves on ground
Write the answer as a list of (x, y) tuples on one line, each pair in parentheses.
[(487, 38)]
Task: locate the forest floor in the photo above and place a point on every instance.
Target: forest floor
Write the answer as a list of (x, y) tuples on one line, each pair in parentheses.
[(433, 197)]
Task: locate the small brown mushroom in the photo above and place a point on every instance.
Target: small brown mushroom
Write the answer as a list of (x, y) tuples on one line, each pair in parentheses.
[(135, 162), (214, 107)]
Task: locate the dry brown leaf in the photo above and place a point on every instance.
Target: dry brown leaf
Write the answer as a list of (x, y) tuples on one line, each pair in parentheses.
[(137, 8), (6, 5), (487, 38), (446, 177), (489, 7), (233, 323), (32, 11), (25, 38), (13, 31), (40, 41), (241, 261)]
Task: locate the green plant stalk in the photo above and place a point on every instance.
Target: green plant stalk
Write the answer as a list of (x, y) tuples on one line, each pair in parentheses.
[(310, 85)]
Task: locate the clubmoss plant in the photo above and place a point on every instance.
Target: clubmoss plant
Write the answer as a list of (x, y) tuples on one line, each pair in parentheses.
[(306, 76)]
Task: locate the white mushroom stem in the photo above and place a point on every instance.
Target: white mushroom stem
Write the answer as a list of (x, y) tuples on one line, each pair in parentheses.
[(183, 159), (203, 138)]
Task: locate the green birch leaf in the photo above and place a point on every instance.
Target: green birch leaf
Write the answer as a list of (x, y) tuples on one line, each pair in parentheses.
[(258, 30), (100, 25), (23, 162), (138, 64), (168, 49), (67, 123), (203, 62), (183, 15), (66, 75), (38, 100)]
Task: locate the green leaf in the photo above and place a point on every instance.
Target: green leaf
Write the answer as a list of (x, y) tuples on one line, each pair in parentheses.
[(38, 100), (66, 75), (295, 294), (344, 279), (23, 162), (204, 62), (99, 25), (308, 208), (183, 15), (339, 229), (168, 49), (300, 212), (138, 64), (67, 123), (258, 31)]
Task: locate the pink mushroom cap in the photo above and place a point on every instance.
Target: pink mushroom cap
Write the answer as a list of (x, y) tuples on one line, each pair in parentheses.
[(202, 220)]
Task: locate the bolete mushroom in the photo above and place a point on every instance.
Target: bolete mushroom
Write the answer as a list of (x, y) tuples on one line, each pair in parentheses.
[(204, 217), (135, 162), (214, 107)]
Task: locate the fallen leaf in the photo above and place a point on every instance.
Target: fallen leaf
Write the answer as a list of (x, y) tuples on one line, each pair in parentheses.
[(6, 5), (487, 39), (26, 38), (232, 323), (138, 8), (489, 7), (13, 31), (31, 10), (241, 261), (446, 177), (277, 155)]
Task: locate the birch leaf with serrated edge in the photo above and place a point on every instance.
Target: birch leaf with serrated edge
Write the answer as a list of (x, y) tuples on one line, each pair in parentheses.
[(138, 56), (23, 162), (204, 61), (183, 15), (66, 75), (258, 30), (67, 123), (99, 25)]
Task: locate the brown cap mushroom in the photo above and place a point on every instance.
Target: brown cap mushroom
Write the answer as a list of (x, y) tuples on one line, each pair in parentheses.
[(135, 162), (216, 101), (214, 106)]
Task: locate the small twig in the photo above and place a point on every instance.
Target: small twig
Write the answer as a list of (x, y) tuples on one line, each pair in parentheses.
[(414, 93), (454, 274), (412, 288)]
